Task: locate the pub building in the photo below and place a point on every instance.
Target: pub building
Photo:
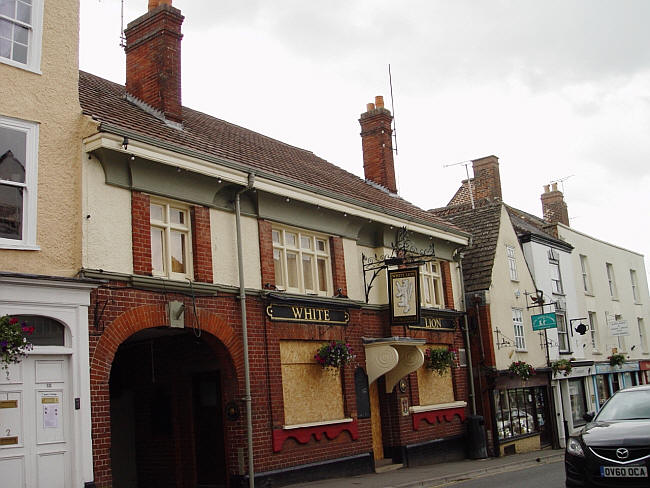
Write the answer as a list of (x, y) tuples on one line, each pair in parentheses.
[(244, 327)]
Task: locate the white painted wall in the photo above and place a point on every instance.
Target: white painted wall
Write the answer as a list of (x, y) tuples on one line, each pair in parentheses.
[(224, 249), (506, 294), (106, 222), (353, 270), (598, 299)]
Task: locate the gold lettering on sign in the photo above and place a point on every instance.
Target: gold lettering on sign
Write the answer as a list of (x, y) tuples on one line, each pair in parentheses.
[(8, 403), (49, 400), (8, 441), (297, 312), (312, 314), (432, 323)]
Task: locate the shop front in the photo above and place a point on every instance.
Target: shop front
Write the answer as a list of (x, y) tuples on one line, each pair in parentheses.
[(609, 379)]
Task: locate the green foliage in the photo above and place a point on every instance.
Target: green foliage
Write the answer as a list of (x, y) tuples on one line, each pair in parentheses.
[(616, 359), (334, 354), (521, 369), (13, 341), (563, 365), (439, 360)]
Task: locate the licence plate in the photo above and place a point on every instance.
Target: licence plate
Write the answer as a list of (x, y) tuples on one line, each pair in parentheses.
[(623, 472)]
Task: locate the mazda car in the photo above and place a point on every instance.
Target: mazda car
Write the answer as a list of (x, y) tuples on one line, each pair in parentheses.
[(613, 449)]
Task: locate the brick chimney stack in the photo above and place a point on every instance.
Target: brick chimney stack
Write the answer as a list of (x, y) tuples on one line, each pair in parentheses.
[(487, 180), (377, 144), (153, 58), (553, 206)]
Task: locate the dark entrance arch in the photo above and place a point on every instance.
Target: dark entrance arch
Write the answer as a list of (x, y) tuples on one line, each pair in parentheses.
[(157, 396), (167, 410)]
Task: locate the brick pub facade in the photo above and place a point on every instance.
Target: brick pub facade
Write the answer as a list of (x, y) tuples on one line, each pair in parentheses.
[(166, 330)]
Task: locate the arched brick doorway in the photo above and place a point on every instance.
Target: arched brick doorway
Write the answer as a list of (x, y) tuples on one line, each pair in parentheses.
[(136, 328)]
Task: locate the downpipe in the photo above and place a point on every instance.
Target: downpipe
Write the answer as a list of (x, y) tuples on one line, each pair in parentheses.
[(242, 303)]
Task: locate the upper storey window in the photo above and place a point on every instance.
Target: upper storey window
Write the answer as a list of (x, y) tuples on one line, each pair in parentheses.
[(512, 263), (20, 33), (18, 171), (170, 240), (302, 262), (431, 281)]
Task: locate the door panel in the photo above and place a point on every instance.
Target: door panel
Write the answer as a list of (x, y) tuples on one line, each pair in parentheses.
[(375, 421), (34, 424)]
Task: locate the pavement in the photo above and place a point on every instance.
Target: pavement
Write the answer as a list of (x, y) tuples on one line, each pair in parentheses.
[(441, 474)]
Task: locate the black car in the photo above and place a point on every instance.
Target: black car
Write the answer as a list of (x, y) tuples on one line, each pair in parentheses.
[(613, 449)]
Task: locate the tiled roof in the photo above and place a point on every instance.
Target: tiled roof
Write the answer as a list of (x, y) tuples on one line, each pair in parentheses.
[(525, 223), (105, 102), (483, 222)]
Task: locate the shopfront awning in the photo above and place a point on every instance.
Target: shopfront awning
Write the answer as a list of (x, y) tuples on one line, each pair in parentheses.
[(392, 357)]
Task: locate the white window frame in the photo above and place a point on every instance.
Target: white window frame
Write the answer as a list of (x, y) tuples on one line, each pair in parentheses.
[(593, 330), (611, 281), (643, 337), (635, 286), (282, 248), (518, 327), (431, 280), (556, 274), (167, 226), (586, 278), (35, 40), (562, 332), (512, 262), (28, 240)]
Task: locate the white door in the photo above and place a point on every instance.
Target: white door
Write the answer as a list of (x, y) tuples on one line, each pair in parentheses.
[(35, 414)]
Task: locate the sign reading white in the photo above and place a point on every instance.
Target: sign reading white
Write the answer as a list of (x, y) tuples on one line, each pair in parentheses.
[(619, 328)]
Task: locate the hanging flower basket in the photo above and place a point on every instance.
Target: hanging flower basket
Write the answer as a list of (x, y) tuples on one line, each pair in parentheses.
[(334, 354), (563, 365), (616, 359), (13, 341), (521, 369), (439, 360)]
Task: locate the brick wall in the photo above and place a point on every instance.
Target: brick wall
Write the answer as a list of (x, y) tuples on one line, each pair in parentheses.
[(338, 266), (487, 180), (141, 233), (201, 244), (377, 145), (153, 60), (266, 253)]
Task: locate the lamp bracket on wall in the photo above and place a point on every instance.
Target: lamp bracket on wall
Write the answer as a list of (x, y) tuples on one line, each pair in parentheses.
[(403, 253)]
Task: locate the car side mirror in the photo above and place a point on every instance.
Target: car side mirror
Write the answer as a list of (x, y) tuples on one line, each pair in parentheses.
[(589, 416)]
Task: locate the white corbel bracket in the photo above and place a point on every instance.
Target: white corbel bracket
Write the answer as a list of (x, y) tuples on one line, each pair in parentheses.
[(394, 357)]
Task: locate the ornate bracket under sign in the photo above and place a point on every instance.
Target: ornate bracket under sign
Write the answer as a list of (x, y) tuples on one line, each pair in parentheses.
[(394, 357), (303, 434)]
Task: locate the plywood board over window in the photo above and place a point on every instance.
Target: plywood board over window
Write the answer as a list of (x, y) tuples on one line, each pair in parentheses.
[(310, 393), (434, 389)]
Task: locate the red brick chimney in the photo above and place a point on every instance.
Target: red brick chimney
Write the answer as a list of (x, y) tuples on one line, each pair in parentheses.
[(153, 58), (377, 144), (487, 180), (553, 206)]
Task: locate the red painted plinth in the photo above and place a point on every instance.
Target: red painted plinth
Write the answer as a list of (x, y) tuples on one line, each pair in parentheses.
[(303, 434), (438, 415)]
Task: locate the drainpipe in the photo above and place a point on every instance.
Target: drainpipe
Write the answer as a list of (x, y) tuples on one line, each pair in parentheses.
[(468, 344), (244, 326)]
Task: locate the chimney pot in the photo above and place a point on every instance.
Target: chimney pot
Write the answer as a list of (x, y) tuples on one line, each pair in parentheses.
[(554, 186), (370, 106), (155, 3), (547, 188), (379, 101)]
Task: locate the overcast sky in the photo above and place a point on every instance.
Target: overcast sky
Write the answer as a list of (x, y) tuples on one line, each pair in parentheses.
[(557, 89)]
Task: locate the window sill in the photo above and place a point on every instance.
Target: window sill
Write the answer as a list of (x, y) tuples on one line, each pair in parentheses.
[(317, 424), (521, 350), (596, 353), (16, 64), (436, 406), (566, 353), (20, 247), (589, 294)]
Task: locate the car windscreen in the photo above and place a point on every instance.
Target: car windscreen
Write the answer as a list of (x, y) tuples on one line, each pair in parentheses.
[(626, 405)]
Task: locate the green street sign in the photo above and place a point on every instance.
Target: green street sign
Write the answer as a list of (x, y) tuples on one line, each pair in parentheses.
[(544, 321)]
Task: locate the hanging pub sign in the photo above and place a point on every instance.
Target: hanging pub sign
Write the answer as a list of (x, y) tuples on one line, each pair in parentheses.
[(544, 321), (404, 296), (307, 314)]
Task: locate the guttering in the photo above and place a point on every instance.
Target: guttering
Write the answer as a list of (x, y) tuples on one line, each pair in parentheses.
[(171, 154), (244, 325)]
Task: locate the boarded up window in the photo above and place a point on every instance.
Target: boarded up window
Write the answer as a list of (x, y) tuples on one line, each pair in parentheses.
[(310, 393), (433, 388)]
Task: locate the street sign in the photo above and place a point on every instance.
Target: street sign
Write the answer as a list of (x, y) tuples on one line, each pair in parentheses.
[(619, 328), (544, 321)]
